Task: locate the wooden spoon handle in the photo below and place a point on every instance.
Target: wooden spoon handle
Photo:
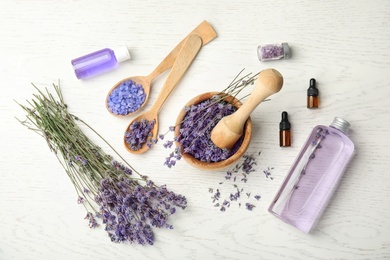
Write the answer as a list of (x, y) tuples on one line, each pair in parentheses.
[(187, 54), (203, 30)]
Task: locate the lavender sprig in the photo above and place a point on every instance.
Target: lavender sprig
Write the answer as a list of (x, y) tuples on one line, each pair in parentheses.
[(114, 194)]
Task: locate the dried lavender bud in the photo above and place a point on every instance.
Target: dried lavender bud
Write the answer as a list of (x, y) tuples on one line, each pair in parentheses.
[(196, 129), (139, 133), (245, 168), (126, 98), (249, 206)]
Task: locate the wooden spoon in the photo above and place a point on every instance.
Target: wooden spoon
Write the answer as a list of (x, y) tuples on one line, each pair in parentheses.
[(190, 48), (203, 30), (230, 128)]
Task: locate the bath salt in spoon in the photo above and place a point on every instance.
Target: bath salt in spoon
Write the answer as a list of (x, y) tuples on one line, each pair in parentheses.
[(230, 128), (144, 128), (130, 94)]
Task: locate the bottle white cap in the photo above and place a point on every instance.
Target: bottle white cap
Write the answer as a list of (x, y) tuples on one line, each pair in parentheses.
[(122, 53)]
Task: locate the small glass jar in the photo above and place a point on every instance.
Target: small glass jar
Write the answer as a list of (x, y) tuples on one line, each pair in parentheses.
[(274, 51)]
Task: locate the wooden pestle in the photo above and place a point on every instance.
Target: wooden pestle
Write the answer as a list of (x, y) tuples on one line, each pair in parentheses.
[(230, 128)]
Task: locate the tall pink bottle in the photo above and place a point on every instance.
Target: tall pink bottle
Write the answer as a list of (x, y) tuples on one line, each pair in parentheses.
[(314, 176)]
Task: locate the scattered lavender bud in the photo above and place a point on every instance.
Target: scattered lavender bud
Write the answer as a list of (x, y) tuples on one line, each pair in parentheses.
[(267, 173), (126, 98), (245, 169), (249, 206)]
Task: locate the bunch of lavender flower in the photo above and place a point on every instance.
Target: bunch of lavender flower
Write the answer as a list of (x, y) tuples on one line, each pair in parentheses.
[(127, 203), (200, 119)]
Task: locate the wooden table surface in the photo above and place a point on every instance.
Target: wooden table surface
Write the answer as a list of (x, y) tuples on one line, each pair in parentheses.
[(344, 45)]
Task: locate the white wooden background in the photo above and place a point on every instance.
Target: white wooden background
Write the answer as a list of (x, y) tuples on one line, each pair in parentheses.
[(345, 45)]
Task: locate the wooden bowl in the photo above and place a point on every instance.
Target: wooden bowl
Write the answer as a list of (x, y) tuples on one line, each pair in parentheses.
[(221, 164)]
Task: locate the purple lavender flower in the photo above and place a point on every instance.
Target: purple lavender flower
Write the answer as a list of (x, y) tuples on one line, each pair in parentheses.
[(126, 98), (121, 168), (80, 200), (267, 173), (129, 211), (249, 206), (139, 133), (78, 158), (92, 221), (196, 129)]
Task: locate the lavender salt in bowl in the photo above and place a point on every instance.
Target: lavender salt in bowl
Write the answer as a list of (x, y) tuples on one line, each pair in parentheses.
[(194, 125)]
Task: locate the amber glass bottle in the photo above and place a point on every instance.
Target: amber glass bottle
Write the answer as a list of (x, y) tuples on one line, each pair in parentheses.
[(312, 95), (284, 131)]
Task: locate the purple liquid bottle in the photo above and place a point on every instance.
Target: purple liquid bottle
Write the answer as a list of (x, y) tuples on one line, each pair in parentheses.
[(314, 176), (98, 62)]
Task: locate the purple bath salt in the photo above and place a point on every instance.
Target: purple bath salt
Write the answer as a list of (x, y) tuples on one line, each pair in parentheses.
[(275, 51), (126, 98), (139, 133)]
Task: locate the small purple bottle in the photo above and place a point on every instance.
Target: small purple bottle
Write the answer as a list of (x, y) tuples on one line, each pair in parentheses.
[(314, 176), (100, 61)]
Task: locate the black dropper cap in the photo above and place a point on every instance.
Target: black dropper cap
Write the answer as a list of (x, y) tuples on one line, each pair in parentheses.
[(284, 124), (312, 90)]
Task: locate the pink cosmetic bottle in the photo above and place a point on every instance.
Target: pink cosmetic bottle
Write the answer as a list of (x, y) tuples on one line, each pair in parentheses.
[(314, 176)]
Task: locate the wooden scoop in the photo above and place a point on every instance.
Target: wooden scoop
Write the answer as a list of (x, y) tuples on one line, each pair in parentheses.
[(230, 128), (203, 30), (190, 48)]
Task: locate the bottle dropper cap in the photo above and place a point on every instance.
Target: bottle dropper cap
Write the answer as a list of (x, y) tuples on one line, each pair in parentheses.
[(284, 124), (312, 90), (122, 53)]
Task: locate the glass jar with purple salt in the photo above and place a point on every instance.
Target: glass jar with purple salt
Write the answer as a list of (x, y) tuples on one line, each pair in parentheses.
[(275, 51)]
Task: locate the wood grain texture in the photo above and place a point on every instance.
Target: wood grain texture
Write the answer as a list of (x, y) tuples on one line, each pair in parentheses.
[(344, 45)]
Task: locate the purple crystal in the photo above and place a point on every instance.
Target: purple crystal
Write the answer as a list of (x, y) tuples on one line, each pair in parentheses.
[(126, 98)]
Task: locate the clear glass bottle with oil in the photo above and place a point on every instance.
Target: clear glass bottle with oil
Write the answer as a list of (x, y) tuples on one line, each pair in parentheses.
[(314, 176)]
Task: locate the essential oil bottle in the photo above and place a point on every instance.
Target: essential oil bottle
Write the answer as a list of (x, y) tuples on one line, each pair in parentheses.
[(314, 176), (275, 51), (312, 94), (284, 131), (99, 61)]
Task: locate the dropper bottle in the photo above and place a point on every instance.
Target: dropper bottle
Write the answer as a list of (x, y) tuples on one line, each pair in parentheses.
[(284, 131), (312, 95)]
